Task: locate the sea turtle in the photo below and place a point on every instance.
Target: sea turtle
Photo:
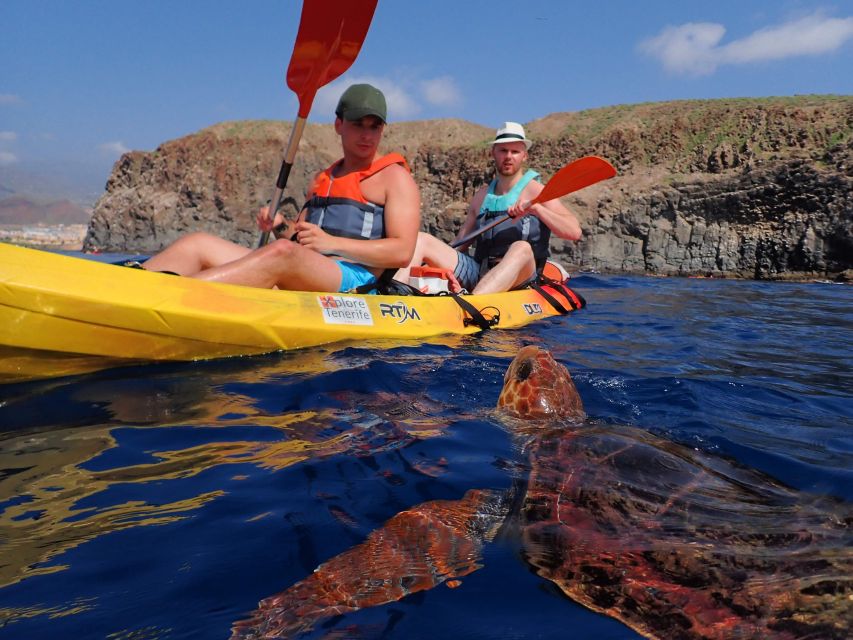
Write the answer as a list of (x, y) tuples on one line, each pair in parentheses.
[(672, 542)]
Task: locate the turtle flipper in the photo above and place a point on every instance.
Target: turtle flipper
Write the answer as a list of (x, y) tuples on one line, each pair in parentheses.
[(415, 550)]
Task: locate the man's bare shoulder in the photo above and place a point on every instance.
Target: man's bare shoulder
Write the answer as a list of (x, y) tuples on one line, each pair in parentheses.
[(392, 174), (482, 190), (477, 198), (392, 181), (396, 170), (532, 189)]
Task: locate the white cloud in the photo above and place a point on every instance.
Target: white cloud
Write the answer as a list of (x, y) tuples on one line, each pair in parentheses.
[(404, 98), (116, 148), (812, 35), (10, 99), (441, 92), (694, 48), (401, 105), (7, 157), (326, 100), (688, 48)]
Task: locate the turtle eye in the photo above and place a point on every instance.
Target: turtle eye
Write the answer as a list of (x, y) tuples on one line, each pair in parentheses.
[(524, 370)]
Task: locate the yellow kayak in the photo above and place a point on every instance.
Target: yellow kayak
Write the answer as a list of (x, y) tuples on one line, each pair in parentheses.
[(57, 307)]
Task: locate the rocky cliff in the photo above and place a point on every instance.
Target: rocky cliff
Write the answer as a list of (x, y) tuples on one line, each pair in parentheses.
[(757, 188)]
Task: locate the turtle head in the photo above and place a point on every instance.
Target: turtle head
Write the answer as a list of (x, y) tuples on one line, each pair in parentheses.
[(537, 386)]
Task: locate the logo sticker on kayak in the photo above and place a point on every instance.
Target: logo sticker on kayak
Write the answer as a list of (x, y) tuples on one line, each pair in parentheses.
[(345, 310), (533, 308), (399, 310)]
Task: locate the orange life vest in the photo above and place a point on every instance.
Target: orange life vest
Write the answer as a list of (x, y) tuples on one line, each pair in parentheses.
[(337, 205)]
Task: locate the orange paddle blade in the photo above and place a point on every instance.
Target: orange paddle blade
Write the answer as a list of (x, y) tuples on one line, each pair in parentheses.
[(330, 36), (575, 176)]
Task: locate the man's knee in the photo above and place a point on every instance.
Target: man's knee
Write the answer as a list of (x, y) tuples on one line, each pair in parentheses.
[(279, 258), (282, 249), (521, 249), (435, 252), (427, 243), (196, 238)]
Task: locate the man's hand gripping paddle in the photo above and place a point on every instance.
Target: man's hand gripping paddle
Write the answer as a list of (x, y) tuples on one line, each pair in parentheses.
[(330, 36)]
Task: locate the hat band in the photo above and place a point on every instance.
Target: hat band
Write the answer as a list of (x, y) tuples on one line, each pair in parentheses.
[(509, 135)]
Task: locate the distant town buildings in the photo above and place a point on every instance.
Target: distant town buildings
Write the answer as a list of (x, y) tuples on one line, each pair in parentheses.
[(54, 236)]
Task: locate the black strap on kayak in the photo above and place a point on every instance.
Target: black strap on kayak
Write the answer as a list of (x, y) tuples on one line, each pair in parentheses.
[(386, 285), (384, 280), (575, 301), (135, 264), (549, 298), (475, 315)]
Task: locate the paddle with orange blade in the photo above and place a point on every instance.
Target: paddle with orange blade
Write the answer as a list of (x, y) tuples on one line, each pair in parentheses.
[(330, 36), (576, 175)]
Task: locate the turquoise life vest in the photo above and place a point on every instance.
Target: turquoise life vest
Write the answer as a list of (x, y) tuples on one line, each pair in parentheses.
[(338, 207), (493, 244)]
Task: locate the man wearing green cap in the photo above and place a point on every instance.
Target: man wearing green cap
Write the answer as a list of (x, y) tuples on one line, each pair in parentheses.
[(361, 218)]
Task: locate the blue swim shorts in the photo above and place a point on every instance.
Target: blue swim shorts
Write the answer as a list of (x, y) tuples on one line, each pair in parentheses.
[(353, 275)]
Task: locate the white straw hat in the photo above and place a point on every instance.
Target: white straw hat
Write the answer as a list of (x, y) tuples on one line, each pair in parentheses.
[(512, 132)]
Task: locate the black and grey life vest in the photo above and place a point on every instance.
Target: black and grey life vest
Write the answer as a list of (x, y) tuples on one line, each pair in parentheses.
[(493, 244)]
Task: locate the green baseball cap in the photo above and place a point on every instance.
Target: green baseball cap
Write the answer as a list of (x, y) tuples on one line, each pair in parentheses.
[(361, 100)]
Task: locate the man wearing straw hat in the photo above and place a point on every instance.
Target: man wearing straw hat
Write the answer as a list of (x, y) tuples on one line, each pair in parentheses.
[(510, 254)]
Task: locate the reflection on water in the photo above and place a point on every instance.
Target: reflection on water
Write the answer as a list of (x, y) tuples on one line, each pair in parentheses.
[(56, 484), (169, 500)]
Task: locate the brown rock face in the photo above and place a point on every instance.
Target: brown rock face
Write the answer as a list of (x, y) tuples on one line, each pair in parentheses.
[(749, 188), (211, 181)]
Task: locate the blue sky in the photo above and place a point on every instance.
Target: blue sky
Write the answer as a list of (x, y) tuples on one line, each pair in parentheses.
[(82, 81)]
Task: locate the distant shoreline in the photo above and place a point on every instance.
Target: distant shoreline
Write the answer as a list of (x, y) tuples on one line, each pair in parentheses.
[(45, 236)]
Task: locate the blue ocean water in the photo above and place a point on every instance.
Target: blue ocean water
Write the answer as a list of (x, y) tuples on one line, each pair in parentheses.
[(167, 501)]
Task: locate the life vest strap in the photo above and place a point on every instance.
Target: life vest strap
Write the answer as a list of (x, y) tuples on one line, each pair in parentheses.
[(327, 201)]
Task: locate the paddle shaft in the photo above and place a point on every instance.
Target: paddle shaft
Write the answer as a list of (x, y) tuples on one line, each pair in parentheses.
[(477, 232), (284, 172), (491, 225)]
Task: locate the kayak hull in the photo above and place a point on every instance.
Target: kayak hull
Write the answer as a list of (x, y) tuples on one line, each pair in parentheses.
[(59, 304)]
